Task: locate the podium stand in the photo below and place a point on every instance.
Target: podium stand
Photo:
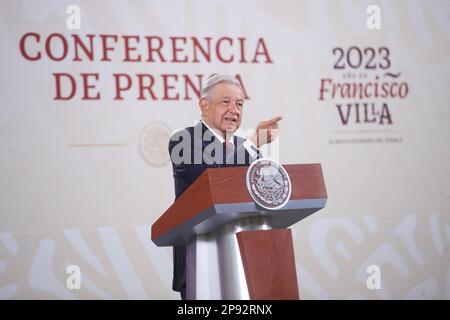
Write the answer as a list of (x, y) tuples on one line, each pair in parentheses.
[(235, 248)]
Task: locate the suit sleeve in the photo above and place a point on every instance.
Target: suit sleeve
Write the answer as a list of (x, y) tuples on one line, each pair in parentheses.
[(252, 150), (185, 172)]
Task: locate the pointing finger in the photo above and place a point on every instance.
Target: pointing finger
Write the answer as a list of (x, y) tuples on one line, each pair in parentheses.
[(274, 120)]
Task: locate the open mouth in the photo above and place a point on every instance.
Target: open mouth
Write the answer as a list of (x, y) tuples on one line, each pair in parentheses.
[(233, 120)]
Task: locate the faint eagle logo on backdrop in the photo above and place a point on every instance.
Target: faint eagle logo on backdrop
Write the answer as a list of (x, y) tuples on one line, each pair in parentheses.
[(153, 144), (268, 184)]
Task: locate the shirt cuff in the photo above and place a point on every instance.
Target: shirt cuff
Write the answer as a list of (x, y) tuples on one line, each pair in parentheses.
[(252, 150)]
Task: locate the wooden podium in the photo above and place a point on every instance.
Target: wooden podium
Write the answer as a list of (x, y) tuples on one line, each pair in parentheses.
[(235, 248)]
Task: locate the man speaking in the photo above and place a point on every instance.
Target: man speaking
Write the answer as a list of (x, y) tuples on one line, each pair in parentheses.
[(211, 143)]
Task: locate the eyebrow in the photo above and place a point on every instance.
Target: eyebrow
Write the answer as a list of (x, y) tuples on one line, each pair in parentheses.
[(227, 97)]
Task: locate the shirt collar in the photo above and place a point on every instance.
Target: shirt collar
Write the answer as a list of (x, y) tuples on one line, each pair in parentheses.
[(218, 135)]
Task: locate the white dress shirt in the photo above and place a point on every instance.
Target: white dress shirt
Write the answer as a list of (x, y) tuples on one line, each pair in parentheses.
[(248, 144)]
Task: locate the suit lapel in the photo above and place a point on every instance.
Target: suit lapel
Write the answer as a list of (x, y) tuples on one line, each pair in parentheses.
[(209, 138)]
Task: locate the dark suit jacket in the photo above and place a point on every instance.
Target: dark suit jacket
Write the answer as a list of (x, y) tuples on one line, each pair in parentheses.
[(184, 174)]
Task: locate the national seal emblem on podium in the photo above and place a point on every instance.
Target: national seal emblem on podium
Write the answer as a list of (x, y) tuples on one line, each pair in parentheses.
[(268, 184)]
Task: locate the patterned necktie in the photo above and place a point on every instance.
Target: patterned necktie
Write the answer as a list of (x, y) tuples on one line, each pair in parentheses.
[(229, 148)]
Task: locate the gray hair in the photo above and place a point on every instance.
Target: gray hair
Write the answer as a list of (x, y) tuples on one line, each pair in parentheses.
[(216, 79)]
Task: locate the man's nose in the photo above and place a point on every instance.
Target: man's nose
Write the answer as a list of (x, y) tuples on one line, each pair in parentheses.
[(233, 107)]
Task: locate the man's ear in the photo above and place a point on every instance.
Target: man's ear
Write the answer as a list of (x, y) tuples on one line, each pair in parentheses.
[(203, 104)]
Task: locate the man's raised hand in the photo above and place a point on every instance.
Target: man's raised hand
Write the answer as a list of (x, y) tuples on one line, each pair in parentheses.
[(266, 132)]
